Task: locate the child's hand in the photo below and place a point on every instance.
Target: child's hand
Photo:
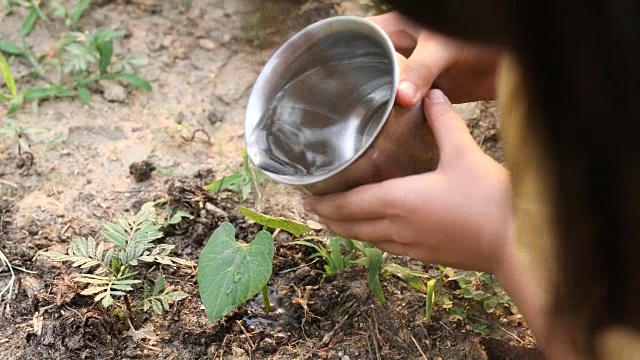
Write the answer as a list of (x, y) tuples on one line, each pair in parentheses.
[(465, 72), (458, 215)]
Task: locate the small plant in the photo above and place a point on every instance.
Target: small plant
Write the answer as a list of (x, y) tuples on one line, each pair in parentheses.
[(80, 59), (129, 242), (242, 182), (230, 273), (331, 251), (340, 253), (18, 134)]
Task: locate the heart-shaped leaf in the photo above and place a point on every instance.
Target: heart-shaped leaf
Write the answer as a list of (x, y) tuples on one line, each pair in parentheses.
[(231, 273), (292, 226)]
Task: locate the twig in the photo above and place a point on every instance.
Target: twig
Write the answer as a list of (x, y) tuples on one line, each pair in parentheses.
[(298, 267), (245, 333), (134, 191), (9, 183), (193, 135), (446, 327), (224, 342), (373, 338), (375, 323), (29, 155), (9, 286), (369, 346), (153, 348), (512, 335), (327, 338), (419, 348)]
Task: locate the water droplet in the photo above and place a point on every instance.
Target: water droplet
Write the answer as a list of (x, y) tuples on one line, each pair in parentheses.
[(238, 277), (228, 290)]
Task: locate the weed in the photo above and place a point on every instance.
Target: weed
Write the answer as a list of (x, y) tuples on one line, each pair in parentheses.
[(331, 252), (130, 241), (243, 182), (340, 253), (18, 134), (79, 59)]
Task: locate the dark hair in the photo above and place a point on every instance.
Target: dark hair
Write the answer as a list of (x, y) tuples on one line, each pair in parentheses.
[(581, 64)]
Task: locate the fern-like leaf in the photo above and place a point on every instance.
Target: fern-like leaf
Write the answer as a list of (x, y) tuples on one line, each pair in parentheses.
[(82, 253), (160, 301), (133, 234), (105, 287), (160, 254)]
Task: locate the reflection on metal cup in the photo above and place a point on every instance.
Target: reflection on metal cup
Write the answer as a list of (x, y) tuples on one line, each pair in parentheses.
[(321, 115)]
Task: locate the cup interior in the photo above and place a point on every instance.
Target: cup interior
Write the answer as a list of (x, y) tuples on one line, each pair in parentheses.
[(321, 100)]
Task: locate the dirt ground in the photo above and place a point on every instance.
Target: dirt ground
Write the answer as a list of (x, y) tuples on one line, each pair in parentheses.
[(203, 62)]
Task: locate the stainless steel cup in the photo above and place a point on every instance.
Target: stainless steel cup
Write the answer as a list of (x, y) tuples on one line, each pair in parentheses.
[(321, 114)]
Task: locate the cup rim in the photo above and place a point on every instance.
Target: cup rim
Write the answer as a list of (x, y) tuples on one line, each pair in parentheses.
[(256, 107)]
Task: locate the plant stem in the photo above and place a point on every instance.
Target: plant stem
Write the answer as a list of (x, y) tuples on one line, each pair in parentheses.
[(267, 302)]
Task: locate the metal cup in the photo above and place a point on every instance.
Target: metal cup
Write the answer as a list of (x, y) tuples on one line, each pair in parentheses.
[(321, 115)]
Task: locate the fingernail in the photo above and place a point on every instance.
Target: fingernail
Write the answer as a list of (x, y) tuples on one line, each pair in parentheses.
[(409, 89), (436, 96)]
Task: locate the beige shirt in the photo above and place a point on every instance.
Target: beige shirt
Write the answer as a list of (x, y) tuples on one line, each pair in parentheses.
[(534, 231)]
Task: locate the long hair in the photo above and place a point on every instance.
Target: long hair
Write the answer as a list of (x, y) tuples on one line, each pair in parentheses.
[(581, 64)]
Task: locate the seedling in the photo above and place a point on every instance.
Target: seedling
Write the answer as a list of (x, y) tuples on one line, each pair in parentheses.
[(230, 273), (243, 182), (373, 259), (18, 134), (129, 242), (81, 58), (331, 251), (431, 284)]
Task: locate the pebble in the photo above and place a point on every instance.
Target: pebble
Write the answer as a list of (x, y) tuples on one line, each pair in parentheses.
[(113, 92), (206, 44), (215, 210)]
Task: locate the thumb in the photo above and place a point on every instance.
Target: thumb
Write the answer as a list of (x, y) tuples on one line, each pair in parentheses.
[(449, 128), (429, 59)]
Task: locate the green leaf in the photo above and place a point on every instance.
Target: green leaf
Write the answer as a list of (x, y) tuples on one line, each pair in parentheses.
[(374, 263), (135, 80), (8, 47), (178, 216), (457, 314), (78, 11), (480, 328), (231, 273), (7, 76), (412, 278), (231, 183), (29, 21), (91, 290), (106, 51), (431, 285), (16, 103), (490, 305), (292, 226), (45, 92), (159, 285), (84, 95)]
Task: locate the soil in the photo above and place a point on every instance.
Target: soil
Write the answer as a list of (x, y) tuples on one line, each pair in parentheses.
[(88, 164)]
